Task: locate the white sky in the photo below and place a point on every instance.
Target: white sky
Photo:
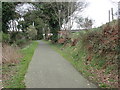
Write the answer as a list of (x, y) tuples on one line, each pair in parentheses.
[(24, 8), (98, 11)]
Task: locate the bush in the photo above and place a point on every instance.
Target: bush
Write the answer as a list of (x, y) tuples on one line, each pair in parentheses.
[(20, 42), (5, 38), (32, 32)]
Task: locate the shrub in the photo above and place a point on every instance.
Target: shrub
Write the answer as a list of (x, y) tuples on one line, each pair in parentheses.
[(21, 42), (31, 31), (5, 38), (98, 50)]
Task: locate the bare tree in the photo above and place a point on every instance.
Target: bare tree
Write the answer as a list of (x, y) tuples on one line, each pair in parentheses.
[(85, 23)]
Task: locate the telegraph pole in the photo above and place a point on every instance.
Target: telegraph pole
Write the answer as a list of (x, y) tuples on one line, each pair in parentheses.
[(119, 10), (112, 13), (109, 15)]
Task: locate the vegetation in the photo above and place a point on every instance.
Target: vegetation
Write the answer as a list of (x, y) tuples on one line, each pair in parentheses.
[(85, 23), (14, 69), (16, 33), (5, 37), (31, 32), (46, 17), (8, 13), (95, 54)]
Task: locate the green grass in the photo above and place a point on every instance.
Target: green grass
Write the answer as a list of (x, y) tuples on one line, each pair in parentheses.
[(77, 61), (76, 55), (17, 81)]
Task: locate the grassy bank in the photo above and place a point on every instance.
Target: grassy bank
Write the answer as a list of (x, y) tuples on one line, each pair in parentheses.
[(89, 71), (69, 54), (16, 72), (94, 54)]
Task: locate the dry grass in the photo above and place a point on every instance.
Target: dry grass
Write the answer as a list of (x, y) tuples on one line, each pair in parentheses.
[(0, 65), (10, 55), (10, 59), (15, 67), (0, 53)]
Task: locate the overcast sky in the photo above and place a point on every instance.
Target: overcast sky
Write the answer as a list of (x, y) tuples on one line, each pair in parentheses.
[(98, 11)]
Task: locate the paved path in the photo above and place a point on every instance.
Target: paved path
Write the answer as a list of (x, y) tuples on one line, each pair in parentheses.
[(50, 70)]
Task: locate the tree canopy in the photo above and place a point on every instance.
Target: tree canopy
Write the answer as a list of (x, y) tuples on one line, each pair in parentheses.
[(8, 13), (44, 15)]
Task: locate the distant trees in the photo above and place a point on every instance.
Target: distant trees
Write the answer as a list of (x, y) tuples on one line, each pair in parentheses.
[(85, 23), (39, 24), (8, 13), (55, 13), (46, 16), (31, 32), (10, 18)]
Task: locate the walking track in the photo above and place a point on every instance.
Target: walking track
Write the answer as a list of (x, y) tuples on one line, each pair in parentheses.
[(50, 70)]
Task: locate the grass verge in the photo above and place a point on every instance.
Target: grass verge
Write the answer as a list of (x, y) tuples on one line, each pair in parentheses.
[(90, 64), (16, 80), (69, 54), (78, 61)]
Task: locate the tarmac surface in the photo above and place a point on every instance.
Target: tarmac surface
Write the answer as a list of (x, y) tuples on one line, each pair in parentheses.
[(48, 69)]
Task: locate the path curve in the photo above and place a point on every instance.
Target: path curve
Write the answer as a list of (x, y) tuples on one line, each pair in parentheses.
[(50, 70)]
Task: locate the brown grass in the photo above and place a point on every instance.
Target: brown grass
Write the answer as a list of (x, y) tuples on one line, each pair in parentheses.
[(0, 53), (10, 55), (0, 65), (10, 59)]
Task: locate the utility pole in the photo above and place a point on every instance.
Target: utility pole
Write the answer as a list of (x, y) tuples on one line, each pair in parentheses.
[(119, 10), (109, 15), (112, 13)]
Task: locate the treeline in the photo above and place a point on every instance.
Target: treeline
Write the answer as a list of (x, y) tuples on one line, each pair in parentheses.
[(20, 26), (41, 18)]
